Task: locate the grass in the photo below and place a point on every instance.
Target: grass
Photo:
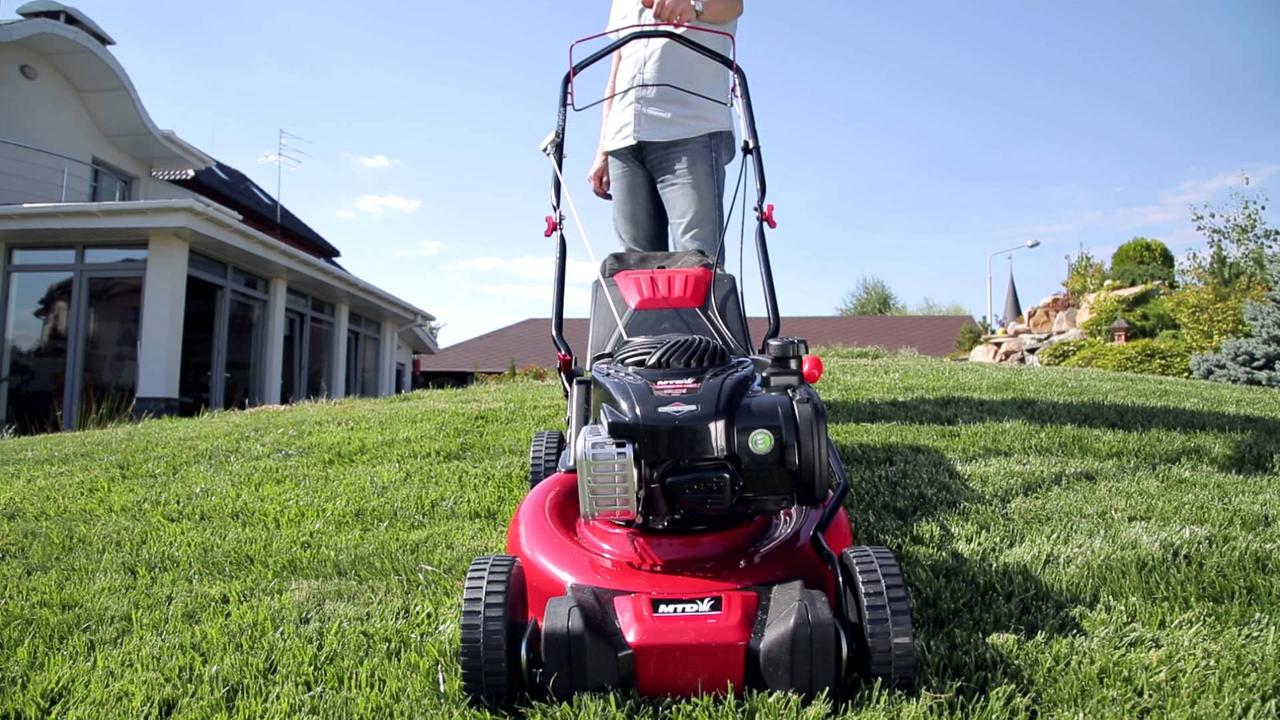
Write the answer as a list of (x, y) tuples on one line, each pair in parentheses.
[(1078, 543)]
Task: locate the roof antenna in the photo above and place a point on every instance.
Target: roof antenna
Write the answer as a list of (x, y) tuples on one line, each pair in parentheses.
[(287, 155)]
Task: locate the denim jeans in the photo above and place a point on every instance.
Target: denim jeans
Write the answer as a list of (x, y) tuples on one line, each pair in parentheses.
[(676, 184)]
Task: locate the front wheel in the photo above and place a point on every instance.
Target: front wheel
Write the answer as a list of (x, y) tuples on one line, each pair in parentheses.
[(493, 622), (544, 455), (879, 612)]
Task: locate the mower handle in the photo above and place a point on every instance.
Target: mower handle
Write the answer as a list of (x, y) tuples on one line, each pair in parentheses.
[(751, 146)]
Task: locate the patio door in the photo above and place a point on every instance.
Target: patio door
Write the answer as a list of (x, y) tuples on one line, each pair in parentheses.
[(222, 339)]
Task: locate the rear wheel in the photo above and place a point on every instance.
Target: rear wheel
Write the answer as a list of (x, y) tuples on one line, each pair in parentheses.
[(879, 617), (544, 455), (493, 623)]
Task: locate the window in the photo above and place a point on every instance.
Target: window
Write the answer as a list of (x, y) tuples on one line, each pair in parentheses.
[(71, 325), (308, 343), (109, 184), (363, 356), (42, 256), (223, 337)]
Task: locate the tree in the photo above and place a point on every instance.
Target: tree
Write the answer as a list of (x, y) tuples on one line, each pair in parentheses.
[(1239, 242), (1254, 360), (1140, 261), (871, 296), (929, 307), (1085, 274)]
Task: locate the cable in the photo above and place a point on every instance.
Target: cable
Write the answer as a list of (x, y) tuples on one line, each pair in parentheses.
[(582, 230)]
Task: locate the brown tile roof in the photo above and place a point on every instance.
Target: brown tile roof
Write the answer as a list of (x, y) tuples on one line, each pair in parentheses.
[(528, 342)]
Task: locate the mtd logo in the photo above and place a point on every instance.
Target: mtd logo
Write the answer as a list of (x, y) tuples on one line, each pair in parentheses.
[(691, 606)]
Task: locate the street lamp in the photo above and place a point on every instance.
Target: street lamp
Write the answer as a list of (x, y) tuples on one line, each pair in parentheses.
[(1028, 244)]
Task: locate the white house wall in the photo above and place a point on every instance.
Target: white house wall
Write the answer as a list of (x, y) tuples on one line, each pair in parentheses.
[(47, 113)]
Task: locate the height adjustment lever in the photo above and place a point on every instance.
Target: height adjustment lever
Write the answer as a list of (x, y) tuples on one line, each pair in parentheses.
[(552, 226), (766, 216)]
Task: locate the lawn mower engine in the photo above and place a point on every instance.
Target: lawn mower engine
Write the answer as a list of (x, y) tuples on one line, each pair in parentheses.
[(690, 438)]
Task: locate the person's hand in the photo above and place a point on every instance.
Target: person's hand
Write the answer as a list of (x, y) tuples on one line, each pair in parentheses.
[(678, 12), (599, 176)]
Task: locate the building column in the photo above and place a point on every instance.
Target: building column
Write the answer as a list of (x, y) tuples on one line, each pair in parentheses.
[(4, 349), (164, 301), (273, 373), (341, 313), (387, 359)]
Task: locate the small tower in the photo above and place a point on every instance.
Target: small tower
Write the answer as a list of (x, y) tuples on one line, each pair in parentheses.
[(1119, 331)]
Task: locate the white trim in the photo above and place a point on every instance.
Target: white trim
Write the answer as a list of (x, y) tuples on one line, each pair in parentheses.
[(208, 219)]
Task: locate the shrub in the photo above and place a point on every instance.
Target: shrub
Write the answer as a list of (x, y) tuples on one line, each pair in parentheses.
[(969, 338), (1148, 357), (1085, 274), (1209, 316), (1254, 360), (1140, 261), (1059, 353), (1147, 313)]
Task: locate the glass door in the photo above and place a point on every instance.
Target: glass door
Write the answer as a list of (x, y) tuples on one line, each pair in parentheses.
[(245, 330), (292, 387), (111, 313), (37, 332), (199, 386)]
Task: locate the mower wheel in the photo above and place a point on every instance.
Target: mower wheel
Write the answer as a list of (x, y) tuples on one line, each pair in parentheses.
[(544, 455), (493, 620), (879, 617)]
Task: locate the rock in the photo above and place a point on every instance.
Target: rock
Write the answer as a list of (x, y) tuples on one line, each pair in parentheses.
[(1009, 350), (1031, 346), (1066, 320), (1041, 320), (1131, 291), (1068, 336), (985, 353), (1033, 360), (1016, 329)]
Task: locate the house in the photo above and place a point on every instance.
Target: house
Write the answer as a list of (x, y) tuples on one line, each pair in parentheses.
[(528, 342), (136, 271)]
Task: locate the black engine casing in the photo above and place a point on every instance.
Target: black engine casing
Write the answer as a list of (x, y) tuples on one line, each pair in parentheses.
[(712, 444)]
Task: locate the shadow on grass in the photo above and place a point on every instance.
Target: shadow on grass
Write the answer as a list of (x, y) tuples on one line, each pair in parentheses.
[(1255, 451), (964, 607)]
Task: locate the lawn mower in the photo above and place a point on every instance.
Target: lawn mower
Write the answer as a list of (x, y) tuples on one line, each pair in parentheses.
[(686, 532)]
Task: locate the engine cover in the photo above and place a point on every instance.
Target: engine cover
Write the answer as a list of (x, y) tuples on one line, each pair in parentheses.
[(706, 439)]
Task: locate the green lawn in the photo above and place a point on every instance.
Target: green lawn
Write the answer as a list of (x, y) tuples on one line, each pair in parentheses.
[(1079, 544)]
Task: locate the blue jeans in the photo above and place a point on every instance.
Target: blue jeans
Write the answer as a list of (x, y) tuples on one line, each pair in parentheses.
[(676, 184)]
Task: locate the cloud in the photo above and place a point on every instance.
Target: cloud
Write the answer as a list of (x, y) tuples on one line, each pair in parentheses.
[(370, 161), (540, 292), (346, 214), (425, 248), (378, 204), (1170, 208), (376, 161), (526, 267)]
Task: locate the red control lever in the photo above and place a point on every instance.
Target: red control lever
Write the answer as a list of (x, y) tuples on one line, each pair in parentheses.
[(767, 216), (552, 226)]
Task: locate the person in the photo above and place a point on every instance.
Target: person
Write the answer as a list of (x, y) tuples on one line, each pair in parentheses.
[(663, 150)]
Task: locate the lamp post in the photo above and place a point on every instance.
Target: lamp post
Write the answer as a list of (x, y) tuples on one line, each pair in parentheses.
[(1028, 245)]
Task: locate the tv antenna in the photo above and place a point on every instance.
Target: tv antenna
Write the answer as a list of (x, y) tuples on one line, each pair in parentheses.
[(289, 155)]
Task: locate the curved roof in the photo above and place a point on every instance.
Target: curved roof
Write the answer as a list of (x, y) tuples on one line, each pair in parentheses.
[(104, 87)]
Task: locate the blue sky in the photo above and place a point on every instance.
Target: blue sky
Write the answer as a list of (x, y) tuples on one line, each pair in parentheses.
[(905, 140)]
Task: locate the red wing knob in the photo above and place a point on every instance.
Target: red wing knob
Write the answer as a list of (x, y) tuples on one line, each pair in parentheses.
[(812, 368), (552, 226), (767, 217)]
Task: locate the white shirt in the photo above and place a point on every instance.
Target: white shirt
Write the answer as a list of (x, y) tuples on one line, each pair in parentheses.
[(644, 111)]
